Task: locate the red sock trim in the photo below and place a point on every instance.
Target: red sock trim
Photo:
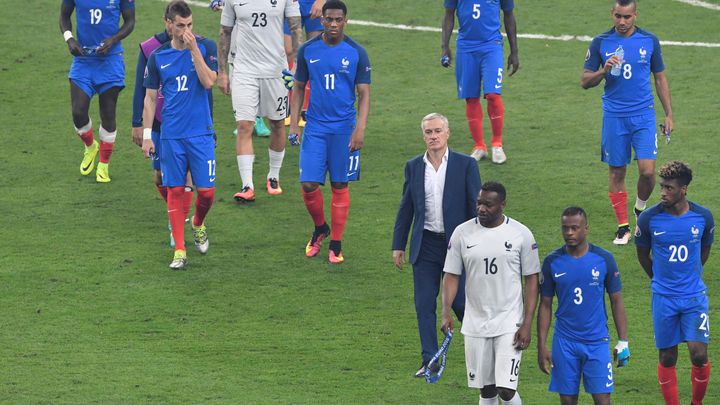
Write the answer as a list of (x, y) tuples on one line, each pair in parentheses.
[(668, 384), (340, 207), (473, 112), (315, 207), (620, 207), (163, 192), (203, 202), (106, 150), (700, 378), (496, 113), (87, 137), (175, 213)]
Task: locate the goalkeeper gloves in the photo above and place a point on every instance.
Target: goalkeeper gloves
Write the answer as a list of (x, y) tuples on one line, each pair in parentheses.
[(288, 79), (622, 353)]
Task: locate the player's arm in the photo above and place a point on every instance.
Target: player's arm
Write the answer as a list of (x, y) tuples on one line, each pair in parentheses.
[(358, 137), (592, 76), (138, 100), (150, 104), (619, 317), (523, 335), (316, 9), (543, 327), (704, 254), (447, 28), (513, 63), (128, 16), (403, 220), (450, 287), (663, 91), (66, 11), (296, 103), (643, 255), (295, 24), (223, 53)]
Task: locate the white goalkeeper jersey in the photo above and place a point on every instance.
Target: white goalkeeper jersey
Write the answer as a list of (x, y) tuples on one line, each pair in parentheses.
[(258, 35), (494, 261)]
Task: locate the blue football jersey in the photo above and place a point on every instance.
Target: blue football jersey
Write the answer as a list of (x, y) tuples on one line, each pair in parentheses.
[(98, 20), (479, 22), (580, 285), (675, 244), (333, 72), (629, 93), (186, 110)]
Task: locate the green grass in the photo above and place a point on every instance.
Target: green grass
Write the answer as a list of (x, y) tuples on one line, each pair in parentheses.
[(90, 312)]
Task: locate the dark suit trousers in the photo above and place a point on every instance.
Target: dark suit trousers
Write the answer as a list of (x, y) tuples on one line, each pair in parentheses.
[(427, 274)]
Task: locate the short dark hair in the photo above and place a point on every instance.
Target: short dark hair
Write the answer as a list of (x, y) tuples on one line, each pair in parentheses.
[(625, 3), (335, 5), (177, 8), (676, 170), (494, 186), (572, 211)]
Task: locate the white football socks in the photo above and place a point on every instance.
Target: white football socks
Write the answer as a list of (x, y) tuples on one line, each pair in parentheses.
[(488, 401), (513, 401), (245, 167), (276, 159)]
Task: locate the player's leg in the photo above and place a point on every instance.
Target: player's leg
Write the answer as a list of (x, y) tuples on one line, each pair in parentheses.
[(492, 73), (158, 178), (507, 369), (338, 158), (667, 330), (616, 152), (80, 95), (467, 76), (696, 332), (274, 105), (245, 98), (644, 141), (108, 133), (174, 166), (201, 160), (566, 371), (480, 363), (313, 167), (598, 371)]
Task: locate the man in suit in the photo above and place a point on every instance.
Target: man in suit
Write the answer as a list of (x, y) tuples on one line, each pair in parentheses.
[(439, 193)]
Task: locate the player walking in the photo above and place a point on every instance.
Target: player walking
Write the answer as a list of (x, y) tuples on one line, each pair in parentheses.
[(337, 67), (673, 241), (185, 68), (97, 67), (479, 49), (579, 273), (496, 253), (625, 57)]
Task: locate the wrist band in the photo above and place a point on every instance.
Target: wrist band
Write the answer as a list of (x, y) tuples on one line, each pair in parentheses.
[(67, 35), (147, 134)]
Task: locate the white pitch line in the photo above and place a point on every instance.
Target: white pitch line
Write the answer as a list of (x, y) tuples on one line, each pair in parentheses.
[(699, 3), (582, 38)]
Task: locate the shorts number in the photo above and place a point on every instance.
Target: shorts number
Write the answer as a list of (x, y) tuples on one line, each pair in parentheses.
[(260, 19), (514, 367), (354, 163), (476, 11), (181, 82), (627, 71), (678, 253), (211, 169), (578, 296), (330, 81), (282, 104), (705, 324), (610, 374), (499, 78), (95, 16), (490, 266)]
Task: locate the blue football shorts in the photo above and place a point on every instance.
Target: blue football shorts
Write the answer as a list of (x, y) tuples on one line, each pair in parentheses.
[(155, 158), (310, 24), (680, 319), (196, 154), (573, 360), (484, 66), (322, 152), (94, 75), (620, 134)]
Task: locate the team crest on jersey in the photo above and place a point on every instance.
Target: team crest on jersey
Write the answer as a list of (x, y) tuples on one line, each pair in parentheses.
[(595, 276), (345, 65), (111, 4), (695, 231), (643, 53), (508, 246), (273, 3)]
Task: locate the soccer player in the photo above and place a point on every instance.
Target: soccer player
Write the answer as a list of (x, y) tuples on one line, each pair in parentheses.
[(337, 67), (673, 241), (257, 85), (579, 273), (495, 252), (624, 57), (479, 49), (185, 68), (97, 67)]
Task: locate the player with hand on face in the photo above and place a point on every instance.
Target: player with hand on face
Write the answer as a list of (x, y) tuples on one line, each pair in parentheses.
[(185, 68), (97, 68), (673, 241), (580, 273)]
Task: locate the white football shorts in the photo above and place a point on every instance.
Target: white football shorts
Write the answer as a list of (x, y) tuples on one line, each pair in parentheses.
[(492, 361), (253, 97)]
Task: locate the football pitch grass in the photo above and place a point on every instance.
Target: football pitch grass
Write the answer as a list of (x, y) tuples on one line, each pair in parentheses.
[(91, 313)]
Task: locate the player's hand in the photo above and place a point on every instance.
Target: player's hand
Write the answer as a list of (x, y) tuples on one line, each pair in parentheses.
[(223, 83), (106, 45), (288, 79), (148, 147), (522, 337), (513, 64), (446, 58), (669, 125), (217, 5), (295, 129), (316, 9), (189, 39), (74, 47), (137, 136), (612, 61), (447, 322), (621, 354), (544, 360), (398, 258), (357, 140)]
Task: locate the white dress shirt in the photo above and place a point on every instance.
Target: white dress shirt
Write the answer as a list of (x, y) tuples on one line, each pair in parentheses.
[(434, 187)]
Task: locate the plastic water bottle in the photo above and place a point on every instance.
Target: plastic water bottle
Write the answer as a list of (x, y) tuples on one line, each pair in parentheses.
[(620, 53), (294, 139)]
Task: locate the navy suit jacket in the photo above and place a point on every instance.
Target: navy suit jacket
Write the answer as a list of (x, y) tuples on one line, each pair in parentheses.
[(462, 185)]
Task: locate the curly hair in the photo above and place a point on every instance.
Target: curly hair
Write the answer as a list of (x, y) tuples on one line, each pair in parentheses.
[(676, 170)]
